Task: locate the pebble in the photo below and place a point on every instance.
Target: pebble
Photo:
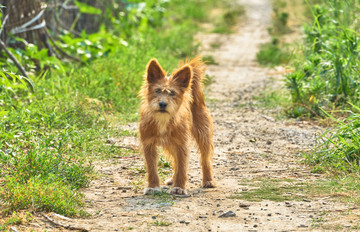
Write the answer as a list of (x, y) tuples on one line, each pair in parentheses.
[(13, 229), (244, 205), (227, 214), (110, 141), (153, 217), (302, 226)]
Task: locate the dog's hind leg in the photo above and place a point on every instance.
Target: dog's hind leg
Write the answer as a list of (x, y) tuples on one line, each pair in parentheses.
[(151, 158), (202, 131)]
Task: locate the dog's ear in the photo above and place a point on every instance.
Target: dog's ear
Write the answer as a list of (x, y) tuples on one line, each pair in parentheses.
[(154, 72), (183, 76)]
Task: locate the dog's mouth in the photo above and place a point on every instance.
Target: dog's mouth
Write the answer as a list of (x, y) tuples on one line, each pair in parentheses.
[(162, 111)]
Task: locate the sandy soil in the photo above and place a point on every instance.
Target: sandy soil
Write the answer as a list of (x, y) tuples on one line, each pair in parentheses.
[(250, 146)]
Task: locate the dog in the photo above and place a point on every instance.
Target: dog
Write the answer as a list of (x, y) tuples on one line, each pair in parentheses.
[(172, 111)]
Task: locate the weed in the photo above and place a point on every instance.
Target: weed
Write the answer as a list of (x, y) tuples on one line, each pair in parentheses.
[(215, 45), (229, 18), (271, 54), (161, 223), (209, 60)]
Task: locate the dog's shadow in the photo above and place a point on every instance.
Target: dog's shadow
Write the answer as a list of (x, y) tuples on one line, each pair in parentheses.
[(159, 200)]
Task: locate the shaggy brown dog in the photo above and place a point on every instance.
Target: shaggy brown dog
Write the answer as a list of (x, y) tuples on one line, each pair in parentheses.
[(173, 108)]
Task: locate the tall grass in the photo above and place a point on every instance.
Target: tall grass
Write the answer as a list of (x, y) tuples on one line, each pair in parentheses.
[(327, 76), (338, 149)]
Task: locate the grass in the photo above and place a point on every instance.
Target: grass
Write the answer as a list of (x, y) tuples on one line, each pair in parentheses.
[(276, 52), (344, 189), (15, 219), (161, 223), (273, 54), (326, 74), (229, 18), (338, 149), (49, 137)]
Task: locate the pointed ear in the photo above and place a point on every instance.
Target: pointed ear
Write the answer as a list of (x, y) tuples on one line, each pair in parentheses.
[(154, 72), (183, 76)]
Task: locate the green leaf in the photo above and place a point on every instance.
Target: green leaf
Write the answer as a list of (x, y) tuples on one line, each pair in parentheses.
[(86, 9)]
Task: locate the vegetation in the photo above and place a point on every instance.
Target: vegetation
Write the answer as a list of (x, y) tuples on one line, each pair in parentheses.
[(325, 81), (276, 52), (326, 78), (342, 189), (53, 124)]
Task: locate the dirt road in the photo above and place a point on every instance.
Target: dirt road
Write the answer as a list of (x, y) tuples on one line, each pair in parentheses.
[(253, 151)]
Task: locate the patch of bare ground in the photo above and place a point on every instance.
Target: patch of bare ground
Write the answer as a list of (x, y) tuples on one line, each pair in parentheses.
[(257, 164)]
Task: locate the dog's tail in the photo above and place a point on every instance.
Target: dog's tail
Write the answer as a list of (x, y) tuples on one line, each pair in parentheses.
[(198, 68)]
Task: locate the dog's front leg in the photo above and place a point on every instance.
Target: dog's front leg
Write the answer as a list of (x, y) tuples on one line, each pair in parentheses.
[(180, 154), (151, 158)]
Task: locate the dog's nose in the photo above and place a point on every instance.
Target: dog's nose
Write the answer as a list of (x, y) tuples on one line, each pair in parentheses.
[(162, 105)]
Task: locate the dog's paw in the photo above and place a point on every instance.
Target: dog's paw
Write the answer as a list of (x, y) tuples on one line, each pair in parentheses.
[(178, 191), (149, 191), (169, 181), (209, 184)]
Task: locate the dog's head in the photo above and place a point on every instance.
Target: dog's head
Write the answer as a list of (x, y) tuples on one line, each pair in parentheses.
[(165, 94)]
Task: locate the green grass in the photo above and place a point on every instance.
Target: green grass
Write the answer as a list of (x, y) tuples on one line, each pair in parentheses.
[(338, 149), (161, 223), (229, 18), (344, 189), (273, 54), (326, 73), (49, 137)]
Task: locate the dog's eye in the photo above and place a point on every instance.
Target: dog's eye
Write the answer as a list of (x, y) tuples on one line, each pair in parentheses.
[(158, 91), (172, 93)]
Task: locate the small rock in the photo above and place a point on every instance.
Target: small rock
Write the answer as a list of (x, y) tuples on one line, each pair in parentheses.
[(218, 205), (110, 141), (244, 205), (187, 222), (255, 225), (202, 216), (227, 214), (13, 229), (153, 217), (302, 226), (182, 221), (269, 214), (306, 200)]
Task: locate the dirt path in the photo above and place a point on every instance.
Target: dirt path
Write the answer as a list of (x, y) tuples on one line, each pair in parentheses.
[(252, 150)]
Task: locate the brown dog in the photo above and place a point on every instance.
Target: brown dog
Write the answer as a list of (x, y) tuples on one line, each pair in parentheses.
[(173, 108)]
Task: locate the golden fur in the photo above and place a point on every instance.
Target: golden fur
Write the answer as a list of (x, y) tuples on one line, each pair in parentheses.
[(173, 109)]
